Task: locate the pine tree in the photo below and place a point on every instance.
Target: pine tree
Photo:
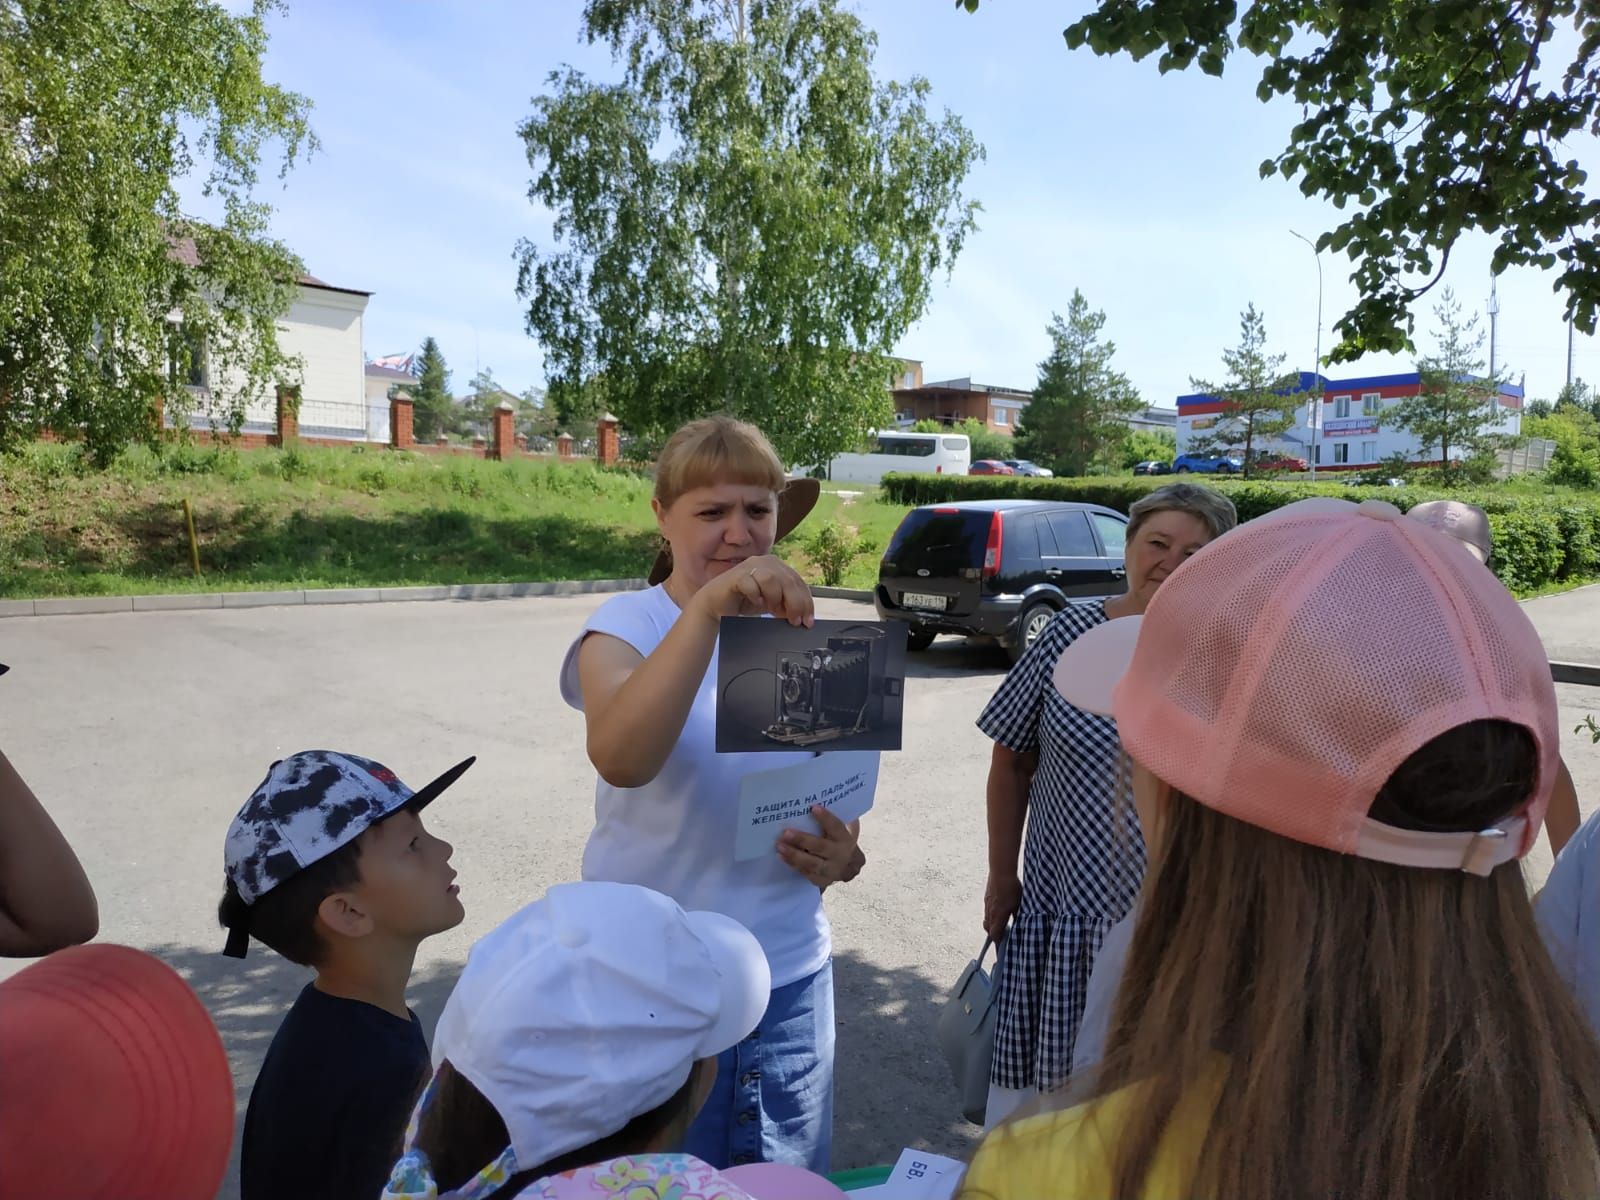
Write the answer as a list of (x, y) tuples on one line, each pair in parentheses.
[(1257, 402), (433, 406), (1078, 415)]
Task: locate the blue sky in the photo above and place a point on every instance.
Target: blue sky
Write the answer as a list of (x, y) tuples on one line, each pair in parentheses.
[(1101, 174)]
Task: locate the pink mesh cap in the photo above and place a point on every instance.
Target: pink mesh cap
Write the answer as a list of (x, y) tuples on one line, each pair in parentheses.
[(1283, 673)]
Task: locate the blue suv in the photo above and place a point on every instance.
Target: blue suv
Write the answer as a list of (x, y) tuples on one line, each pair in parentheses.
[(1207, 464)]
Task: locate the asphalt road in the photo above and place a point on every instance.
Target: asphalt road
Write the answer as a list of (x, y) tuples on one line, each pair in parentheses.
[(144, 732)]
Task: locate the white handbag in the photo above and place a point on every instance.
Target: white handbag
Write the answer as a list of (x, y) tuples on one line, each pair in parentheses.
[(966, 1033)]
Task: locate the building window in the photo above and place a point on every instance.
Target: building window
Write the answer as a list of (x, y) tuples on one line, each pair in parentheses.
[(1369, 452), (1341, 407), (1370, 404), (999, 416), (186, 357), (1316, 455), (1341, 450)]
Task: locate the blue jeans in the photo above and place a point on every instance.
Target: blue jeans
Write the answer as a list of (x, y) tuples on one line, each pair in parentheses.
[(773, 1097)]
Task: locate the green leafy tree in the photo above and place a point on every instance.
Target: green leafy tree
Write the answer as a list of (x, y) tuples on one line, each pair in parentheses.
[(1537, 408), (1423, 120), (1257, 401), (1080, 407), (1455, 406), (474, 412), (986, 443), (578, 407), (1576, 460), (1581, 396), (536, 416), (1148, 445), (748, 221), (104, 106), (432, 408)]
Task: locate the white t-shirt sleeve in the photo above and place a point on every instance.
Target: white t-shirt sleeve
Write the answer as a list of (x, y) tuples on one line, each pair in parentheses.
[(641, 619)]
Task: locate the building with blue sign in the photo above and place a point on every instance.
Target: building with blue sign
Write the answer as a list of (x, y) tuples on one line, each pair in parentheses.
[(1350, 431)]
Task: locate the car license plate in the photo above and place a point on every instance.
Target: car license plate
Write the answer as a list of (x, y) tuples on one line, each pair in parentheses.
[(924, 600)]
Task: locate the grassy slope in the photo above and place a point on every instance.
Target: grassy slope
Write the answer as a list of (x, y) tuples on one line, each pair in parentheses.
[(335, 518)]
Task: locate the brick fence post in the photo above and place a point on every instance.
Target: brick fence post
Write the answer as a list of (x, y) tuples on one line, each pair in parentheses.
[(480, 447), (502, 446), (609, 446), (401, 413), (288, 418), (564, 445)]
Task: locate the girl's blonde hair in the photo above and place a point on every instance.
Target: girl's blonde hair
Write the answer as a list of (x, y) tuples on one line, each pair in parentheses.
[(716, 450)]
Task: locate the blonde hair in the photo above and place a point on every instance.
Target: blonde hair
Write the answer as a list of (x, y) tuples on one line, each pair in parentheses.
[(716, 450)]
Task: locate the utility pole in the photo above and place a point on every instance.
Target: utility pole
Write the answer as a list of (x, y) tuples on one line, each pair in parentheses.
[(1315, 410), (1494, 317), (1569, 351)]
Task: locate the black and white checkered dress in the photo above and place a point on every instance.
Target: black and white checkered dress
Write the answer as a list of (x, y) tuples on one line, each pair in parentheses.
[(1081, 863)]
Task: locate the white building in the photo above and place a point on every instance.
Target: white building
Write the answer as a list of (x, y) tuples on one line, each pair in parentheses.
[(323, 328), (1352, 431)]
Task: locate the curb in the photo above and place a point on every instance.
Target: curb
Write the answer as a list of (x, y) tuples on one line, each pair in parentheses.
[(832, 593), (76, 605)]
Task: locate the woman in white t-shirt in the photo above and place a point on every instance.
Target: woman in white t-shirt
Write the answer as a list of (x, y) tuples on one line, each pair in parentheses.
[(643, 671)]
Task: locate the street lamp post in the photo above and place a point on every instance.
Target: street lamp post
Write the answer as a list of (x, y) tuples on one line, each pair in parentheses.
[(1316, 363)]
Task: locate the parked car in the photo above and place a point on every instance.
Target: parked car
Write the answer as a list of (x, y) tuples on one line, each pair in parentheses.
[(989, 466), (1152, 467), (1023, 467), (998, 569), (1281, 462), (1207, 464)]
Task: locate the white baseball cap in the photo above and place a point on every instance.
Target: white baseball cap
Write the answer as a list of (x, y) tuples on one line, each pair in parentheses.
[(589, 1007)]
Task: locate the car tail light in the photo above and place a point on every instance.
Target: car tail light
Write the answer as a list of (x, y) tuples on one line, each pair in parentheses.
[(991, 552), (938, 468)]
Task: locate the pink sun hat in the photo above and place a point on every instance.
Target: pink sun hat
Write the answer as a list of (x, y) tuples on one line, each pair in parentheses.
[(1284, 672)]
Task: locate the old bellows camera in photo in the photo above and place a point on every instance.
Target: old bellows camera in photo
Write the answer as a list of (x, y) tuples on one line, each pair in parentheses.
[(839, 685)]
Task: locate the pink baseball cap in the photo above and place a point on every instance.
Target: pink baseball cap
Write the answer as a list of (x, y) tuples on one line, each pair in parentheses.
[(1284, 672)]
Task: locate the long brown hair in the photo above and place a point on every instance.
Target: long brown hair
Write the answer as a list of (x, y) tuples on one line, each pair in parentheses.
[(1370, 1031)]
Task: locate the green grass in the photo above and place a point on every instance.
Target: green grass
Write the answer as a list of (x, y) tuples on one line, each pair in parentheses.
[(323, 517)]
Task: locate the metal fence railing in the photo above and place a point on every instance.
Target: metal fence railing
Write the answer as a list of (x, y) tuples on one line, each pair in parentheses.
[(353, 421)]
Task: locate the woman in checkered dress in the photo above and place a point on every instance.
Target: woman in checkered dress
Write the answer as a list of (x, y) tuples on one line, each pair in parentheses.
[(1057, 770)]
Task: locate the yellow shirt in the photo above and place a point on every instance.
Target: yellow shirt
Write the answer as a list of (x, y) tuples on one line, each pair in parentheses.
[(1070, 1155)]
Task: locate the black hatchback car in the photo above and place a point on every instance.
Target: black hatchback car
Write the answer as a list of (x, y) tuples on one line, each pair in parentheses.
[(998, 568)]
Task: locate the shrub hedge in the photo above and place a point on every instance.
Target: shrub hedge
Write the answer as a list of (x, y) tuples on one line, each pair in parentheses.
[(1539, 538)]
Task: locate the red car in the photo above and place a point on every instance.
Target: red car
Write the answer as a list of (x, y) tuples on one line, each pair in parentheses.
[(1281, 462), (989, 466)]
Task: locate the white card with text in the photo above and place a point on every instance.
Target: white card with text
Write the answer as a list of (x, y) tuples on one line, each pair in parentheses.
[(772, 801), (920, 1175)]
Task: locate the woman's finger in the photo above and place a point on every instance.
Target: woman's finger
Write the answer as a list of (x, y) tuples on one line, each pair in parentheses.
[(797, 602), (832, 828), (816, 869)]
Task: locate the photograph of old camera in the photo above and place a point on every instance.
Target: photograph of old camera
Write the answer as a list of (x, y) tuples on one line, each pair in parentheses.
[(836, 686)]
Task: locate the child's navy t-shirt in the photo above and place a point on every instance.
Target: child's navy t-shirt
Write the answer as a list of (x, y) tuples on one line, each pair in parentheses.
[(331, 1102)]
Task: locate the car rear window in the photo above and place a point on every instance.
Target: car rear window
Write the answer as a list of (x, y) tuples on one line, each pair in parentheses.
[(941, 543)]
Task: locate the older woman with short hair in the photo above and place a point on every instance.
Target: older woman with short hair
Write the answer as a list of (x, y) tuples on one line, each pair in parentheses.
[(1056, 769)]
